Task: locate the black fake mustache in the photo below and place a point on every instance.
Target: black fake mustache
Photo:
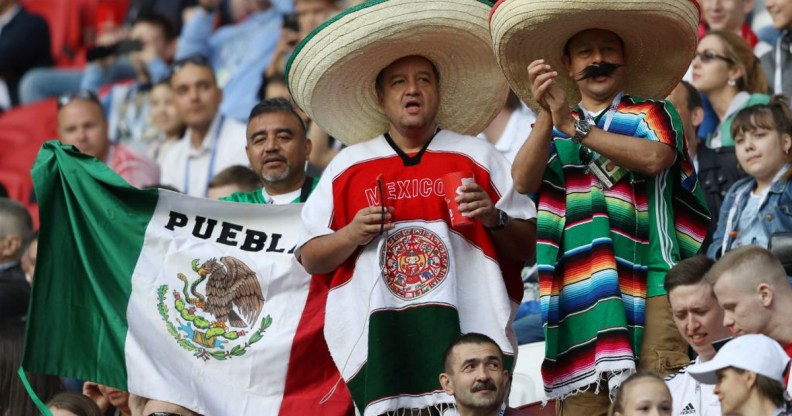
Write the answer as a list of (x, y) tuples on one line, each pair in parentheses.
[(602, 69)]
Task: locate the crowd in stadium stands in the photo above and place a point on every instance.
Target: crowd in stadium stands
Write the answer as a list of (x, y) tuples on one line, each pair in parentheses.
[(162, 91)]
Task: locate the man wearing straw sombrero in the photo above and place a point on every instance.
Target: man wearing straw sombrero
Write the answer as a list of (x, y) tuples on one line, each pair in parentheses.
[(404, 83), (619, 202)]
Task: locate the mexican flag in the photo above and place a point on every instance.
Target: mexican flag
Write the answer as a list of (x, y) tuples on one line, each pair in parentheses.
[(196, 302)]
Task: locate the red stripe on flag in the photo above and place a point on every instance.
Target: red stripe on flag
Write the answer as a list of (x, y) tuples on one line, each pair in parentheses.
[(311, 374)]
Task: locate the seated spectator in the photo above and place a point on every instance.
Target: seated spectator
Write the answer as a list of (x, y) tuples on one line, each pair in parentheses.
[(474, 373), (106, 396), (277, 149), (233, 179), (127, 104), (749, 376), (212, 141), (699, 319), (73, 404), (642, 393), (731, 16), (16, 230), (726, 71), (82, 123), (716, 168), (24, 44), (776, 63), (755, 295), (756, 207), (309, 14), (14, 399), (238, 53), (169, 125), (509, 129)]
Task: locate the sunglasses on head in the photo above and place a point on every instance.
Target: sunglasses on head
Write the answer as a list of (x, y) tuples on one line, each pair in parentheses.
[(84, 95), (199, 60), (709, 56)]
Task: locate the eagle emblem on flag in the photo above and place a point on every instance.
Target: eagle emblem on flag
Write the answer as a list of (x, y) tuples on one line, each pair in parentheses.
[(223, 323)]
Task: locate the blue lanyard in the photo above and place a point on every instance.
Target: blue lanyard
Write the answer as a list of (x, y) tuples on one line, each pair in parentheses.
[(210, 172), (608, 116)]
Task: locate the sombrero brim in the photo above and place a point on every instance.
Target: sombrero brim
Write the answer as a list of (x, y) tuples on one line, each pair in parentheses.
[(332, 73), (660, 38)]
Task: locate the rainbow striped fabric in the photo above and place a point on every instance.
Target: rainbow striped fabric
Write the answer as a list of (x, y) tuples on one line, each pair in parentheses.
[(602, 252)]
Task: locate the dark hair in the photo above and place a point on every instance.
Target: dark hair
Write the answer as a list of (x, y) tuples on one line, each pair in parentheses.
[(692, 95), (618, 401), (380, 76), (79, 404), (690, 271), (741, 54), (469, 338), (512, 101), (197, 59), (163, 22), (767, 387), (243, 176), (266, 81), (277, 105), (775, 116), (14, 399)]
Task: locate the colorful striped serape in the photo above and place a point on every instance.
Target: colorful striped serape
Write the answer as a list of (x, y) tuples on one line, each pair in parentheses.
[(602, 252)]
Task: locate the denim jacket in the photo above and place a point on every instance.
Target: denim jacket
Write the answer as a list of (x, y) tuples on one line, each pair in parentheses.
[(775, 212)]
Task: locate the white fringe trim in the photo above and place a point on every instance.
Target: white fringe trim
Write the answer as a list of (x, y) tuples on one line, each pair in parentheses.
[(614, 372)]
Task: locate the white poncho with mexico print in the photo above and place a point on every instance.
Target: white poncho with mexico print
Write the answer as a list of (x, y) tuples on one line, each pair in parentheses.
[(397, 303)]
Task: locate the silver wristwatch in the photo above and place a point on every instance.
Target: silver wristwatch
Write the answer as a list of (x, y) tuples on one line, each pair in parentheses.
[(582, 129)]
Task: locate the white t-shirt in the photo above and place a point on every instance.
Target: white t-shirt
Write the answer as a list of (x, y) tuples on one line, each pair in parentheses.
[(189, 170), (690, 396)]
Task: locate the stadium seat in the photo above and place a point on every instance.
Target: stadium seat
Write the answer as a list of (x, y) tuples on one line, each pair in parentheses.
[(22, 132), (17, 183), (66, 28)]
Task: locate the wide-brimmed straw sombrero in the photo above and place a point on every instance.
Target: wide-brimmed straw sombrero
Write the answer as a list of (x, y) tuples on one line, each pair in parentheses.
[(660, 38), (332, 72)]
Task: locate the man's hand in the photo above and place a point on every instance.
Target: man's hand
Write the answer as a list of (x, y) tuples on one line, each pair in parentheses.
[(368, 223), (475, 203), (550, 96), (91, 390)]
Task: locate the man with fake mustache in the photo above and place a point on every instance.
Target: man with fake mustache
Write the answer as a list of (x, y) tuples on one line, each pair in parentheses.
[(619, 202)]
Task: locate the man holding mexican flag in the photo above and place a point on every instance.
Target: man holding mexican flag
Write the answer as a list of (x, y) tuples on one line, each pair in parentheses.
[(185, 300)]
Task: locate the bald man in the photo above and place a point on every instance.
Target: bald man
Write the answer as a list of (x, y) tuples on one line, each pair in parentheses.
[(752, 287)]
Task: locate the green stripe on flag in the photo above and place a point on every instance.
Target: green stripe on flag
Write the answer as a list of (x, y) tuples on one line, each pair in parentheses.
[(405, 352), (92, 229)]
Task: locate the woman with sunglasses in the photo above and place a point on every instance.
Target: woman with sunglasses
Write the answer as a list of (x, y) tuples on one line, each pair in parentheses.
[(726, 71)]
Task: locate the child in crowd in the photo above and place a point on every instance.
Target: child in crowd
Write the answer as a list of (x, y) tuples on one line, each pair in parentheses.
[(760, 205), (73, 404), (642, 393)]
